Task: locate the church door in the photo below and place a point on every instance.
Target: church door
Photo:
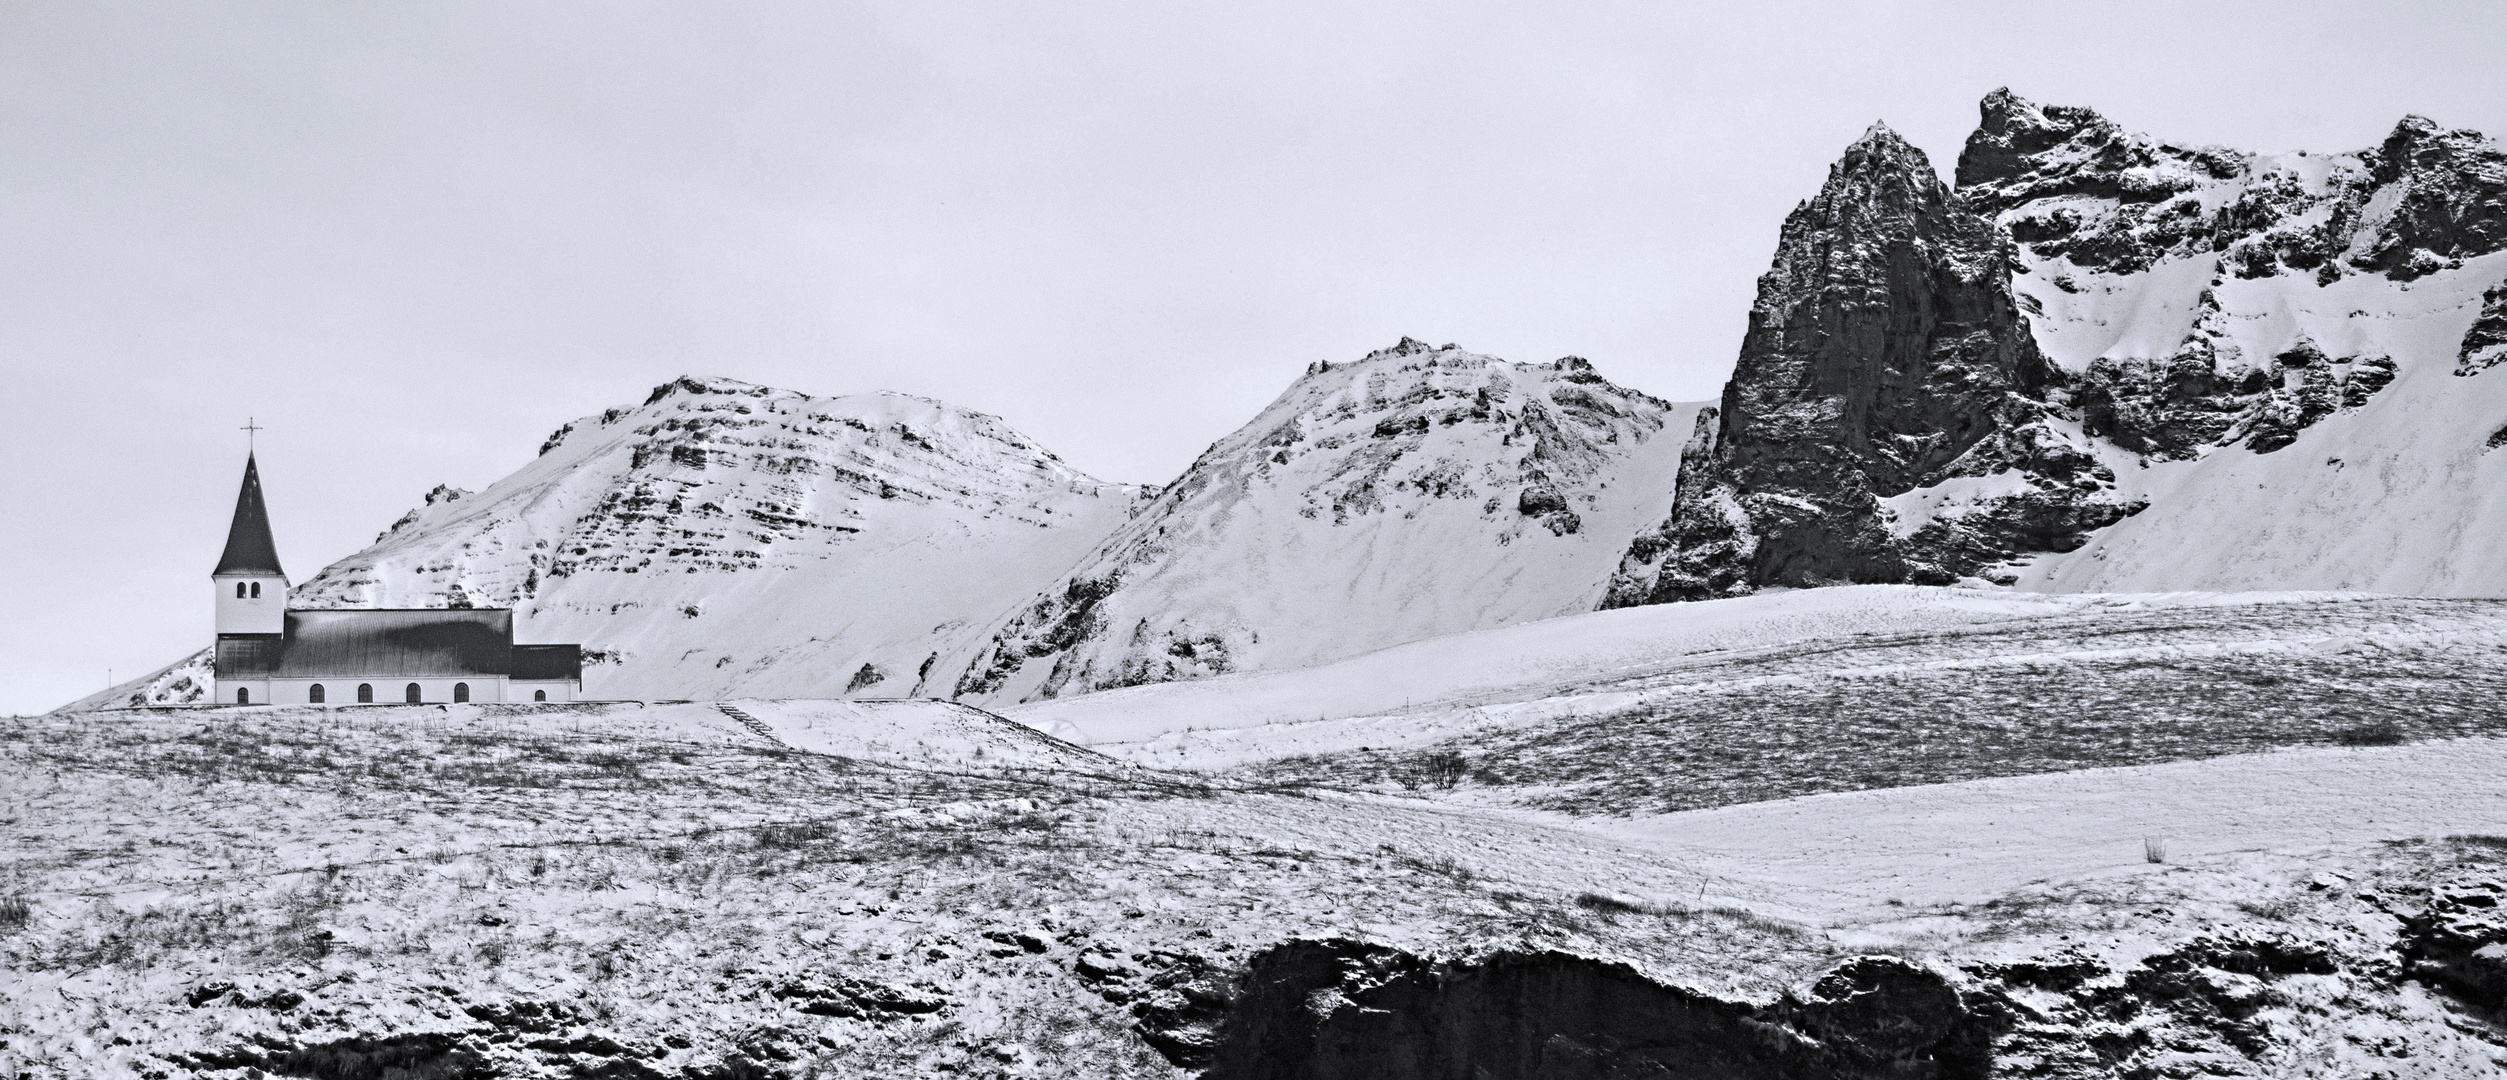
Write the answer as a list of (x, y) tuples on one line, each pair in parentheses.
[(365, 693), (243, 696), (461, 691), (314, 694), (410, 695)]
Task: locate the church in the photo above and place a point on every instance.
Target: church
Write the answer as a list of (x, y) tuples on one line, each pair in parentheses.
[(268, 654)]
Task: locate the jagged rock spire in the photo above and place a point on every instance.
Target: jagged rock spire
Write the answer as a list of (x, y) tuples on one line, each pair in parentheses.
[(1884, 351), (249, 548)]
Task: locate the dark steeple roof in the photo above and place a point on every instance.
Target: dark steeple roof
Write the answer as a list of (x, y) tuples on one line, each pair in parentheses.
[(249, 549)]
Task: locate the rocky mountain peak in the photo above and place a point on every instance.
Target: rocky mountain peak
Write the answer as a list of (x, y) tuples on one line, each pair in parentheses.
[(1883, 172), (2013, 134), (1885, 354)]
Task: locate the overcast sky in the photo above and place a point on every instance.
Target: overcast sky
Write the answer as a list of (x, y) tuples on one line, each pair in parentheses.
[(413, 238)]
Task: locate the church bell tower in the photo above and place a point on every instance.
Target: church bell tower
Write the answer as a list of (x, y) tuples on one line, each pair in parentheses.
[(251, 589)]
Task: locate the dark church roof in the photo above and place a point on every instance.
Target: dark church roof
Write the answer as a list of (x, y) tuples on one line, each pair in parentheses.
[(428, 643), (249, 549)]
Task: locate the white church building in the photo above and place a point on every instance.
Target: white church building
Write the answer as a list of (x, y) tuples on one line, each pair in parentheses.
[(268, 654)]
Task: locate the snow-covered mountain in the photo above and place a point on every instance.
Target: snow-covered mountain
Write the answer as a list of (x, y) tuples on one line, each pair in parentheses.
[(1416, 492), (727, 537), (2108, 362)]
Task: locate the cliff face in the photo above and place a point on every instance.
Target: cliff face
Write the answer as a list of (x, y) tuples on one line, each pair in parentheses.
[(1886, 359)]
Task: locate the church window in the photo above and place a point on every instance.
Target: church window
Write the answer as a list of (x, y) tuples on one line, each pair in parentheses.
[(314, 694), (461, 691), (239, 590), (539, 695), (243, 695), (256, 590), (365, 693), (410, 695)]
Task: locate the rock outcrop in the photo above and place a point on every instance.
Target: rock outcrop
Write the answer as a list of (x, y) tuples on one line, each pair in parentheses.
[(1329, 1010), (1885, 356)]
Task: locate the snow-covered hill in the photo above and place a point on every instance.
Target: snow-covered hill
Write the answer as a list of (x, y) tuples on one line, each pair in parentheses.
[(1417, 492), (723, 538)]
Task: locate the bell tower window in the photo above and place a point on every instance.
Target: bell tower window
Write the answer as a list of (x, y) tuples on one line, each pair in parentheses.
[(256, 590), (239, 590)]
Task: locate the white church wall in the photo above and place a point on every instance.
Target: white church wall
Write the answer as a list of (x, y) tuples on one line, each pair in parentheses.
[(256, 690), (388, 690), (557, 689)]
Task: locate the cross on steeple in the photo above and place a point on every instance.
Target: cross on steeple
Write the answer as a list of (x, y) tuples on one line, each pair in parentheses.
[(250, 429)]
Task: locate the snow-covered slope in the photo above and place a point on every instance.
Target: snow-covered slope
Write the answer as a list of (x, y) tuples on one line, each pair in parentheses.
[(723, 538), (183, 682), (2405, 492), (1417, 492)]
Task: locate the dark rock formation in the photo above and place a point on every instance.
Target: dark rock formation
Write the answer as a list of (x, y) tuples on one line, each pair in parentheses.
[(1885, 353), (2179, 406), (2485, 344), (2459, 943), (1321, 1010)]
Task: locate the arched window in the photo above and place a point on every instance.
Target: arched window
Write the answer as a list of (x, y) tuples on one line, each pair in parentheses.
[(243, 696), (539, 695), (410, 695), (256, 590), (314, 694), (365, 693), (461, 691), (239, 590)]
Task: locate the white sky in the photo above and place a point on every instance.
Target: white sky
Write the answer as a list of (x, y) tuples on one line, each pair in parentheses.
[(414, 238)]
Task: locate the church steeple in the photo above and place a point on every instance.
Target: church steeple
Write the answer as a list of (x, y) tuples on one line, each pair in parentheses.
[(251, 589), (249, 550)]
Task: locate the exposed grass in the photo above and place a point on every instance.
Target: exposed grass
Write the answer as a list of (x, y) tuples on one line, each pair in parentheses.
[(1893, 714)]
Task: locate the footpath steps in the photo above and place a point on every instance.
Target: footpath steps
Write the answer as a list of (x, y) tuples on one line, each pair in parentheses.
[(750, 722)]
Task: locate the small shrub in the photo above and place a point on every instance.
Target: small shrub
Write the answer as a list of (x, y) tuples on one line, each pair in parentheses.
[(1623, 905), (1446, 768), (2154, 849), (15, 912), (2372, 733)]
